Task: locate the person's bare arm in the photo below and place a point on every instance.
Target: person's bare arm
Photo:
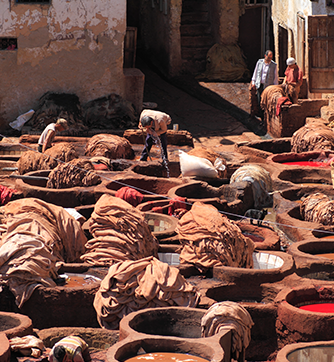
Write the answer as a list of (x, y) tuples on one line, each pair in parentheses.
[(48, 140), (162, 128), (78, 356)]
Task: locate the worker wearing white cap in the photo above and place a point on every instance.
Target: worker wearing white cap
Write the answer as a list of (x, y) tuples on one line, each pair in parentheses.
[(294, 77)]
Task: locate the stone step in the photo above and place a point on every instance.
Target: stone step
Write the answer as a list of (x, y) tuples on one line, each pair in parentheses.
[(193, 66), (189, 6), (196, 29), (197, 41), (194, 53), (194, 17), (327, 113)]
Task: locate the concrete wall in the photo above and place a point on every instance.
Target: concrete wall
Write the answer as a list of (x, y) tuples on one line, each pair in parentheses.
[(71, 46)]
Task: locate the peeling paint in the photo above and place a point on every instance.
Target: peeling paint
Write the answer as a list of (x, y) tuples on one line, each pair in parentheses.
[(63, 46)]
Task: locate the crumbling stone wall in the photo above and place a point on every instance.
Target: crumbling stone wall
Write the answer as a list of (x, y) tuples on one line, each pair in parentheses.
[(62, 46)]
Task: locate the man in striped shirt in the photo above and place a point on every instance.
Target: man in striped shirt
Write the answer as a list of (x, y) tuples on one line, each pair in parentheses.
[(68, 349)]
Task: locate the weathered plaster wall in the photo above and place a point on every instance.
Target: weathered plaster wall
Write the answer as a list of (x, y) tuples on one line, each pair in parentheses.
[(284, 13), (160, 26), (225, 20), (72, 46)]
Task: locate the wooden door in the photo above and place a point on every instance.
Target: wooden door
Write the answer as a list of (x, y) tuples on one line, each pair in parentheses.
[(321, 53), (301, 43), (282, 50)]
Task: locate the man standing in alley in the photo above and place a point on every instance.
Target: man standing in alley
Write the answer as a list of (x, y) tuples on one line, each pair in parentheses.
[(265, 73), (47, 136), (155, 123), (294, 77)]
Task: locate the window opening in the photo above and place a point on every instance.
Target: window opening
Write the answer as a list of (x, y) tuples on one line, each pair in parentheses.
[(8, 43), (255, 2), (33, 1)]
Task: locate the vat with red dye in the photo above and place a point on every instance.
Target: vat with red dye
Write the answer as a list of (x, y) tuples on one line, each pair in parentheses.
[(305, 313)]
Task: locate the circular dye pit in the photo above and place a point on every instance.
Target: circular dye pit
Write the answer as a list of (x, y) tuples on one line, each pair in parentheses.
[(268, 267), (5, 353), (293, 196), (313, 258), (264, 238), (236, 198), (159, 206), (305, 314), (297, 229), (306, 352), (97, 339), (65, 302), (15, 324), (173, 321), (171, 330), (156, 169), (258, 301), (153, 188), (166, 357), (35, 186), (310, 159), (162, 226), (265, 148), (291, 177)]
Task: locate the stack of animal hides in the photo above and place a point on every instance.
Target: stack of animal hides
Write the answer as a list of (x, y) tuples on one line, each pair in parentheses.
[(120, 232), (36, 235), (77, 172), (109, 146), (312, 136), (270, 97), (261, 183), (34, 161), (319, 208), (211, 239), (229, 315), (146, 283)]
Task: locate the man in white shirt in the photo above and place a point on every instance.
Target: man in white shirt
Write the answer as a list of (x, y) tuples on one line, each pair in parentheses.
[(265, 74), (47, 136)]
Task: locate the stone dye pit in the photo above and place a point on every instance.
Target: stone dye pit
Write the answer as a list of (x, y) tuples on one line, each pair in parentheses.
[(295, 324), (173, 329), (235, 198), (306, 352), (264, 148), (314, 259), (177, 329), (74, 287)]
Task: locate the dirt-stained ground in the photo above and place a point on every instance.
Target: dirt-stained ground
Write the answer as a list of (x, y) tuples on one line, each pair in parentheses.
[(216, 114)]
